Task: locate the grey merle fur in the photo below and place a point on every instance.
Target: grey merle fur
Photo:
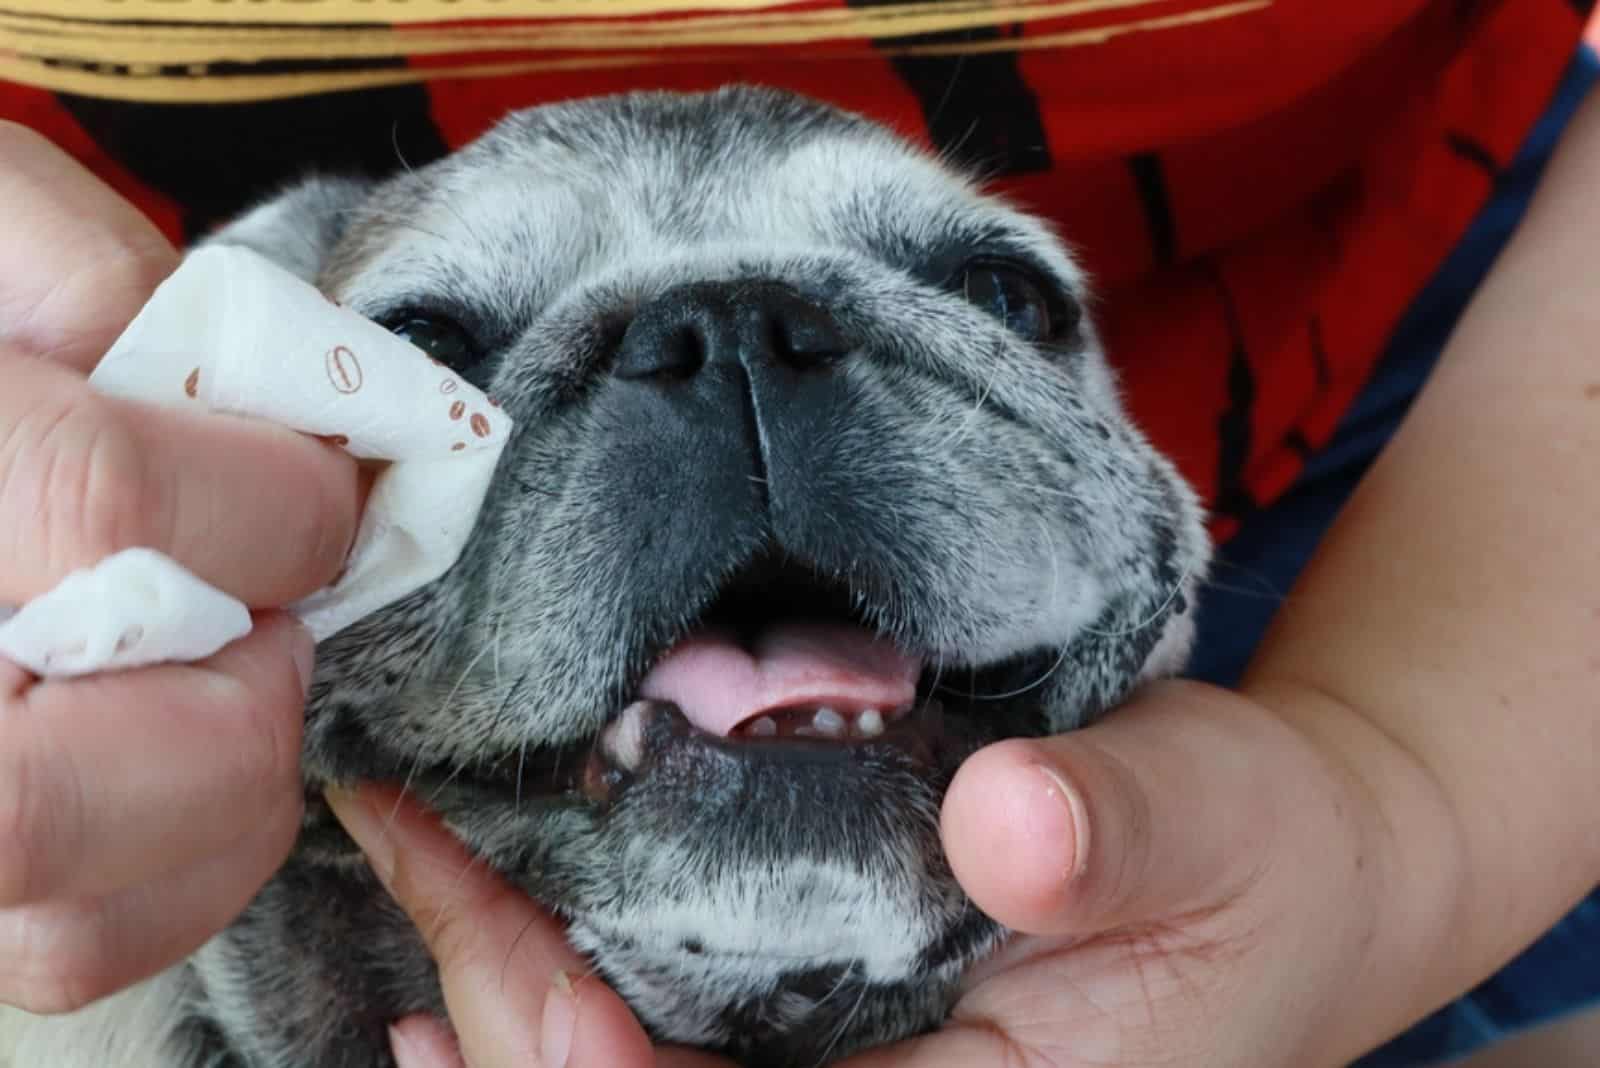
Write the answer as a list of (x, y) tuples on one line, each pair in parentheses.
[(984, 500)]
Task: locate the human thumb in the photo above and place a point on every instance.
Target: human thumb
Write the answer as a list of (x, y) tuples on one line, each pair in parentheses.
[(1165, 807)]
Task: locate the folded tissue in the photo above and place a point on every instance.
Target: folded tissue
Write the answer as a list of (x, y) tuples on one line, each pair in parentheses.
[(231, 332)]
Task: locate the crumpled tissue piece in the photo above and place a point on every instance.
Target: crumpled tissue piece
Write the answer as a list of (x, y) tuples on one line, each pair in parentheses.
[(231, 332), (135, 607)]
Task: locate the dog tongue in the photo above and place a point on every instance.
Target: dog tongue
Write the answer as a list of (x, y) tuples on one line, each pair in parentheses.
[(719, 683)]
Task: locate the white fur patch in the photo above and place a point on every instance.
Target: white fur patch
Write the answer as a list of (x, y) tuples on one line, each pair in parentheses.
[(126, 1030)]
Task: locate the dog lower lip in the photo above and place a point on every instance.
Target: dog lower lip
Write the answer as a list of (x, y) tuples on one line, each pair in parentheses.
[(643, 730)]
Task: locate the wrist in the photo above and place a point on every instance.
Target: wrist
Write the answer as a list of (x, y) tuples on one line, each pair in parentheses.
[(1411, 887)]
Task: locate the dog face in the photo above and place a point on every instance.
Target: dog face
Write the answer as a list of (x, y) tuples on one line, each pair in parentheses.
[(819, 483)]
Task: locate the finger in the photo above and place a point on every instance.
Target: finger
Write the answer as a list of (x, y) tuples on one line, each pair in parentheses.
[(108, 780), (78, 261), (59, 957), (422, 1041), (1162, 809), (256, 510), (517, 993)]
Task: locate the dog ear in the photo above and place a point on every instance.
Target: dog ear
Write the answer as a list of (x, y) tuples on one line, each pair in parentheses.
[(299, 227)]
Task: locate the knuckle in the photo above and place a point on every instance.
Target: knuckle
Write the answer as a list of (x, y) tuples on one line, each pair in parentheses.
[(449, 933), (111, 492), (452, 925), (28, 821), (280, 777), (132, 260), (265, 746), (466, 917), (328, 524), (100, 493), (277, 719), (16, 840)]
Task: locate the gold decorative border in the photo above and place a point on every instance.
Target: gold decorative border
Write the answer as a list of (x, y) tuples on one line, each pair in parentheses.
[(166, 45), (376, 12), (154, 82)]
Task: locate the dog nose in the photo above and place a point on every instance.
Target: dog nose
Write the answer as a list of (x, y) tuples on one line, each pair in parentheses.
[(688, 327)]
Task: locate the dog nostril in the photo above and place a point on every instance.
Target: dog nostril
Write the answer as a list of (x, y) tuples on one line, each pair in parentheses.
[(677, 335), (652, 348), (805, 336)]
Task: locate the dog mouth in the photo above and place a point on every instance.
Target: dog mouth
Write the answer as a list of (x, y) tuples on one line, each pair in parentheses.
[(790, 665), (791, 678)]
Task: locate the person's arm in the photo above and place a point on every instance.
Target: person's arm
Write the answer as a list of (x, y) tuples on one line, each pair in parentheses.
[(1438, 804), (1446, 639)]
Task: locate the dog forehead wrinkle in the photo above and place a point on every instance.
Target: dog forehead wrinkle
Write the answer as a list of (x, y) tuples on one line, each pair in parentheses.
[(493, 246), (886, 192), (674, 157)]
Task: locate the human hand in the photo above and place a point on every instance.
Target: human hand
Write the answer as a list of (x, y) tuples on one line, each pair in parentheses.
[(518, 995), (1200, 883), (139, 811), (1201, 879)]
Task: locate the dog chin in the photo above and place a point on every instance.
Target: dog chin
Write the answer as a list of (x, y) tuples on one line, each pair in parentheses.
[(761, 871)]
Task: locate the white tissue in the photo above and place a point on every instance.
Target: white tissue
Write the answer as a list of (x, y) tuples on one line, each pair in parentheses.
[(231, 332), (135, 607)]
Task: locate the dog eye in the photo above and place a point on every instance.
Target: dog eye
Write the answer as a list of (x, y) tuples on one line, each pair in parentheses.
[(443, 339), (1016, 297)]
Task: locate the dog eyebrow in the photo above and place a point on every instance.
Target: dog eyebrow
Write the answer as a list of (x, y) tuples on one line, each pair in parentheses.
[(932, 239), (938, 261)]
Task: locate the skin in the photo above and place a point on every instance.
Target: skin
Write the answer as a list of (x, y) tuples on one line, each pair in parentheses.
[(1394, 803), (111, 866)]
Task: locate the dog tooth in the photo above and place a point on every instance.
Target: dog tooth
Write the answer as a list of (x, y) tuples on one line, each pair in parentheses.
[(870, 723), (623, 740), (828, 722), (763, 727)]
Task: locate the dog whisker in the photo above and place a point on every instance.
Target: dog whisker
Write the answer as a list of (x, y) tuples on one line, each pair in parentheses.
[(972, 694), (843, 1027), (401, 221), (1158, 613), (394, 141), (465, 672), (965, 427)]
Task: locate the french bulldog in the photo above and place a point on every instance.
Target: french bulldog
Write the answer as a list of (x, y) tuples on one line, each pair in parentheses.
[(820, 483)]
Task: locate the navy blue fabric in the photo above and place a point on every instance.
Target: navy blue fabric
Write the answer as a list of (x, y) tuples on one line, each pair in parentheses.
[(1561, 972)]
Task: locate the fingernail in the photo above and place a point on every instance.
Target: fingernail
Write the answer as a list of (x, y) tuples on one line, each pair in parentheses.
[(304, 650), (1062, 793), (560, 1019), (370, 831)]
